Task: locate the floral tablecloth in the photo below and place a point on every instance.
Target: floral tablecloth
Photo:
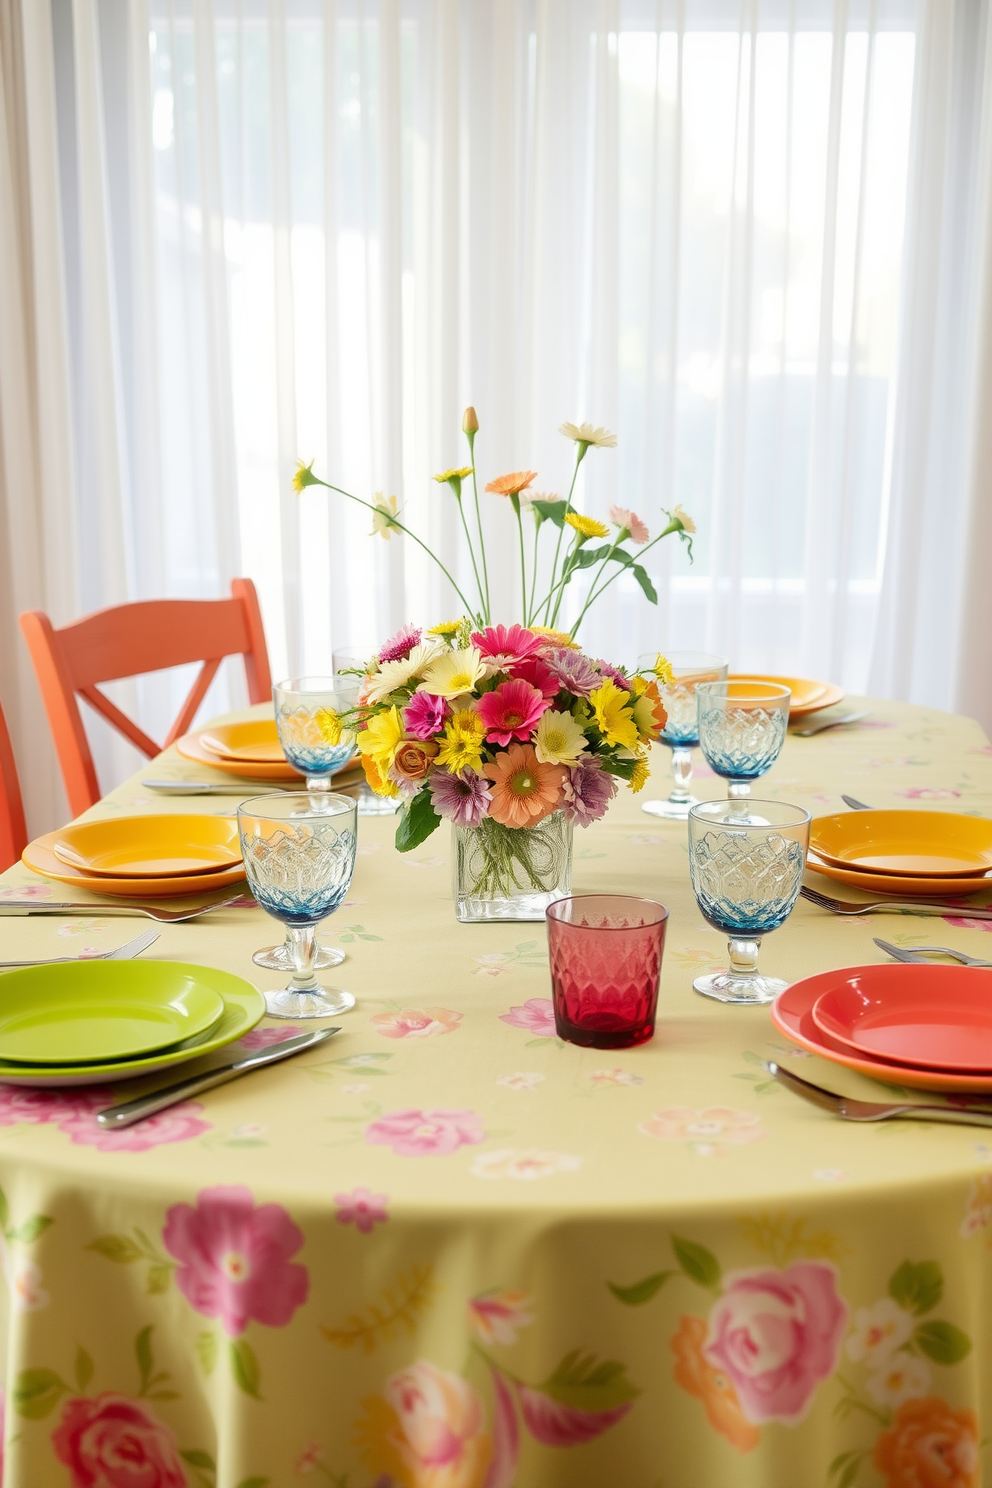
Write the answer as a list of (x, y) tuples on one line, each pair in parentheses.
[(449, 1251)]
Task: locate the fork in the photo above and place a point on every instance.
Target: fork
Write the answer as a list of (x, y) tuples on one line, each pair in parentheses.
[(962, 1113), (125, 952), (916, 955), (164, 916), (893, 906)]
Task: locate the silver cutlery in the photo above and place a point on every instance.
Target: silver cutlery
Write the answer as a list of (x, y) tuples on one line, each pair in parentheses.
[(855, 804), (917, 955), (68, 907), (829, 723), (204, 788), (857, 1110), (125, 952), (894, 906), (126, 1114)]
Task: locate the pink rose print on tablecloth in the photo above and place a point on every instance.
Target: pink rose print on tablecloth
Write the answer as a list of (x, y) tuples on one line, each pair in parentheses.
[(928, 793), (235, 1258), (709, 1130), (434, 1133), (113, 1442), (777, 1335), (429, 1425), (362, 1208), (537, 1015), (416, 1022), (26, 891), (180, 1124), (961, 922), (263, 1038)]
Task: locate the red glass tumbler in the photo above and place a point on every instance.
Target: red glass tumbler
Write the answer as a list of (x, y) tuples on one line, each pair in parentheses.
[(606, 954)]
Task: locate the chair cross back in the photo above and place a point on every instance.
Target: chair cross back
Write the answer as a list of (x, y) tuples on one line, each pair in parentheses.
[(126, 641), (13, 832)]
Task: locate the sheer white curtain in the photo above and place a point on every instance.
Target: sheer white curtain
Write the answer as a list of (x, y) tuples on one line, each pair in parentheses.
[(744, 234)]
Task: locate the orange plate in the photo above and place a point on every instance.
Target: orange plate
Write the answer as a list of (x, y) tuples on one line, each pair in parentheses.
[(792, 1014), (901, 884), (40, 858), (807, 696), (191, 748)]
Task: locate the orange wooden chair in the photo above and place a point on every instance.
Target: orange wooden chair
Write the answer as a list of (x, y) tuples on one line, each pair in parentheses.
[(13, 832), (126, 641)]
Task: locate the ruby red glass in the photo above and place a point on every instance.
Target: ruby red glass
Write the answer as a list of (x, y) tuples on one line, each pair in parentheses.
[(606, 954)]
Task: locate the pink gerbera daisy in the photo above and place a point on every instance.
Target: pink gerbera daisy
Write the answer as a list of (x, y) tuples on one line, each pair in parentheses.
[(399, 646), (539, 674), (511, 712), (621, 517), (509, 643)]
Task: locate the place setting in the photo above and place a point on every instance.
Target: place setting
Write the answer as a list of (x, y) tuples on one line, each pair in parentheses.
[(141, 857), (909, 854)]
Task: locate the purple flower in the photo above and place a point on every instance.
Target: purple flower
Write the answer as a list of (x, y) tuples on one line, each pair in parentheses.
[(399, 646), (586, 791), (614, 673), (463, 798), (574, 671), (425, 715)]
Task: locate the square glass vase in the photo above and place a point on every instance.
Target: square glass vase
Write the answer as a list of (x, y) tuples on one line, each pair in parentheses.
[(510, 873)]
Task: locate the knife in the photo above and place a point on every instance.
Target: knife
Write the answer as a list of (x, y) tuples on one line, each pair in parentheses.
[(911, 958), (115, 1117)]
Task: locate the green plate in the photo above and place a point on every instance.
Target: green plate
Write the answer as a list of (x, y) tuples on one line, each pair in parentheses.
[(243, 1007), (101, 1010)]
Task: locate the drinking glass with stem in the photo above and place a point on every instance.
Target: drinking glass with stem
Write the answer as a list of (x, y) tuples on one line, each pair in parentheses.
[(746, 876), (681, 734), (742, 725), (300, 859)]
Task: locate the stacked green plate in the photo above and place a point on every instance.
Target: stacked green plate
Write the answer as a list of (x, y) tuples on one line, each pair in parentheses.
[(89, 1022)]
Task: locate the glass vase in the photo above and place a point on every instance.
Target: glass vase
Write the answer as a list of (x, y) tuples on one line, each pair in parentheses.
[(510, 873)]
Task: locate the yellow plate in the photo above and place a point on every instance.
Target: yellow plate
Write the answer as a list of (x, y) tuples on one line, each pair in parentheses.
[(191, 747), (255, 743), (906, 885), (39, 856), (807, 696), (929, 844), (149, 846)]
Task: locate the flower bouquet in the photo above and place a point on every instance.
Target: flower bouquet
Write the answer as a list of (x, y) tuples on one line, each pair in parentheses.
[(513, 735)]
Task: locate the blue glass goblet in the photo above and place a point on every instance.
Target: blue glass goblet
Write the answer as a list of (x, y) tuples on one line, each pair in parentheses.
[(742, 728), (299, 860), (746, 875), (689, 669)]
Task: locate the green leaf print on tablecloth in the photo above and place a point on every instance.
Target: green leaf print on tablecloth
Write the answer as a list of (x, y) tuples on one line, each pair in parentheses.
[(398, 1311)]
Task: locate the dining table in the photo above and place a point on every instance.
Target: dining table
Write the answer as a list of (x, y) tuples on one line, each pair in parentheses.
[(449, 1250)]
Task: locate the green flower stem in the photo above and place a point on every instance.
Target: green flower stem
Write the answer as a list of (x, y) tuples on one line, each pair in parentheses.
[(580, 450), (502, 848), (566, 575), (515, 503), (471, 553), (620, 537), (315, 480), (470, 436), (533, 570), (672, 527)]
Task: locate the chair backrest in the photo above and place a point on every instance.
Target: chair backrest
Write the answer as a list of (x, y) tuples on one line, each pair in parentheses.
[(125, 641), (13, 832)]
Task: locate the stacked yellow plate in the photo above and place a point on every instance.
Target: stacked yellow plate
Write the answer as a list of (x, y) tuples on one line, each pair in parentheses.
[(807, 696), (934, 853), (146, 857), (251, 750)]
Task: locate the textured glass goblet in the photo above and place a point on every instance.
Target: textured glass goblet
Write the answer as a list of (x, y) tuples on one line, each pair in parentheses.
[(682, 729), (746, 875), (299, 861), (606, 954), (348, 666), (742, 728)]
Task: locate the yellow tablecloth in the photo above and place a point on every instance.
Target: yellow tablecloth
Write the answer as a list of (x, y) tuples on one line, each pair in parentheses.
[(449, 1251)]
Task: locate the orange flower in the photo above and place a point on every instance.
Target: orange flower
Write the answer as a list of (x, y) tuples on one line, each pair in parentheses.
[(512, 485), (929, 1445), (377, 779), (698, 1378), (524, 790), (650, 714), (414, 758)]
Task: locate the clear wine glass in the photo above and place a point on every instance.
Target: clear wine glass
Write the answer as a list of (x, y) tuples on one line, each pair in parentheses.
[(347, 663), (299, 860), (742, 728), (682, 730), (746, 876)]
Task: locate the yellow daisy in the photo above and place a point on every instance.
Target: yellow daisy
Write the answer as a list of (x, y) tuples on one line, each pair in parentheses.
[(683, 518), (558, 638), (448, 475), (586, 526), (303, 476), (446, 628), (454, 673), (587, 434), (381, 737), (663, 668), (329, 724), (461, 747), (377, 778), (558, 739), (640, 775), (613, 716), (384, 516)]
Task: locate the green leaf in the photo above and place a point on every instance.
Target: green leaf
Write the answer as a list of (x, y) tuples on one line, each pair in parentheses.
[(158, 1278), (199, 1459), (622, 768), (640, 574), (941, 1342), (582, 1383), (840, 1461), (143, 1353), (4, 1212), (698, 1263), (588, 557), (552, 511), (244, 1367), (417, 821), (37, 1392), (116, 1248), (206, 1351), (28, 1232), (849, 1474), (918, 1288), (84, 1369), (641, 1291)]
